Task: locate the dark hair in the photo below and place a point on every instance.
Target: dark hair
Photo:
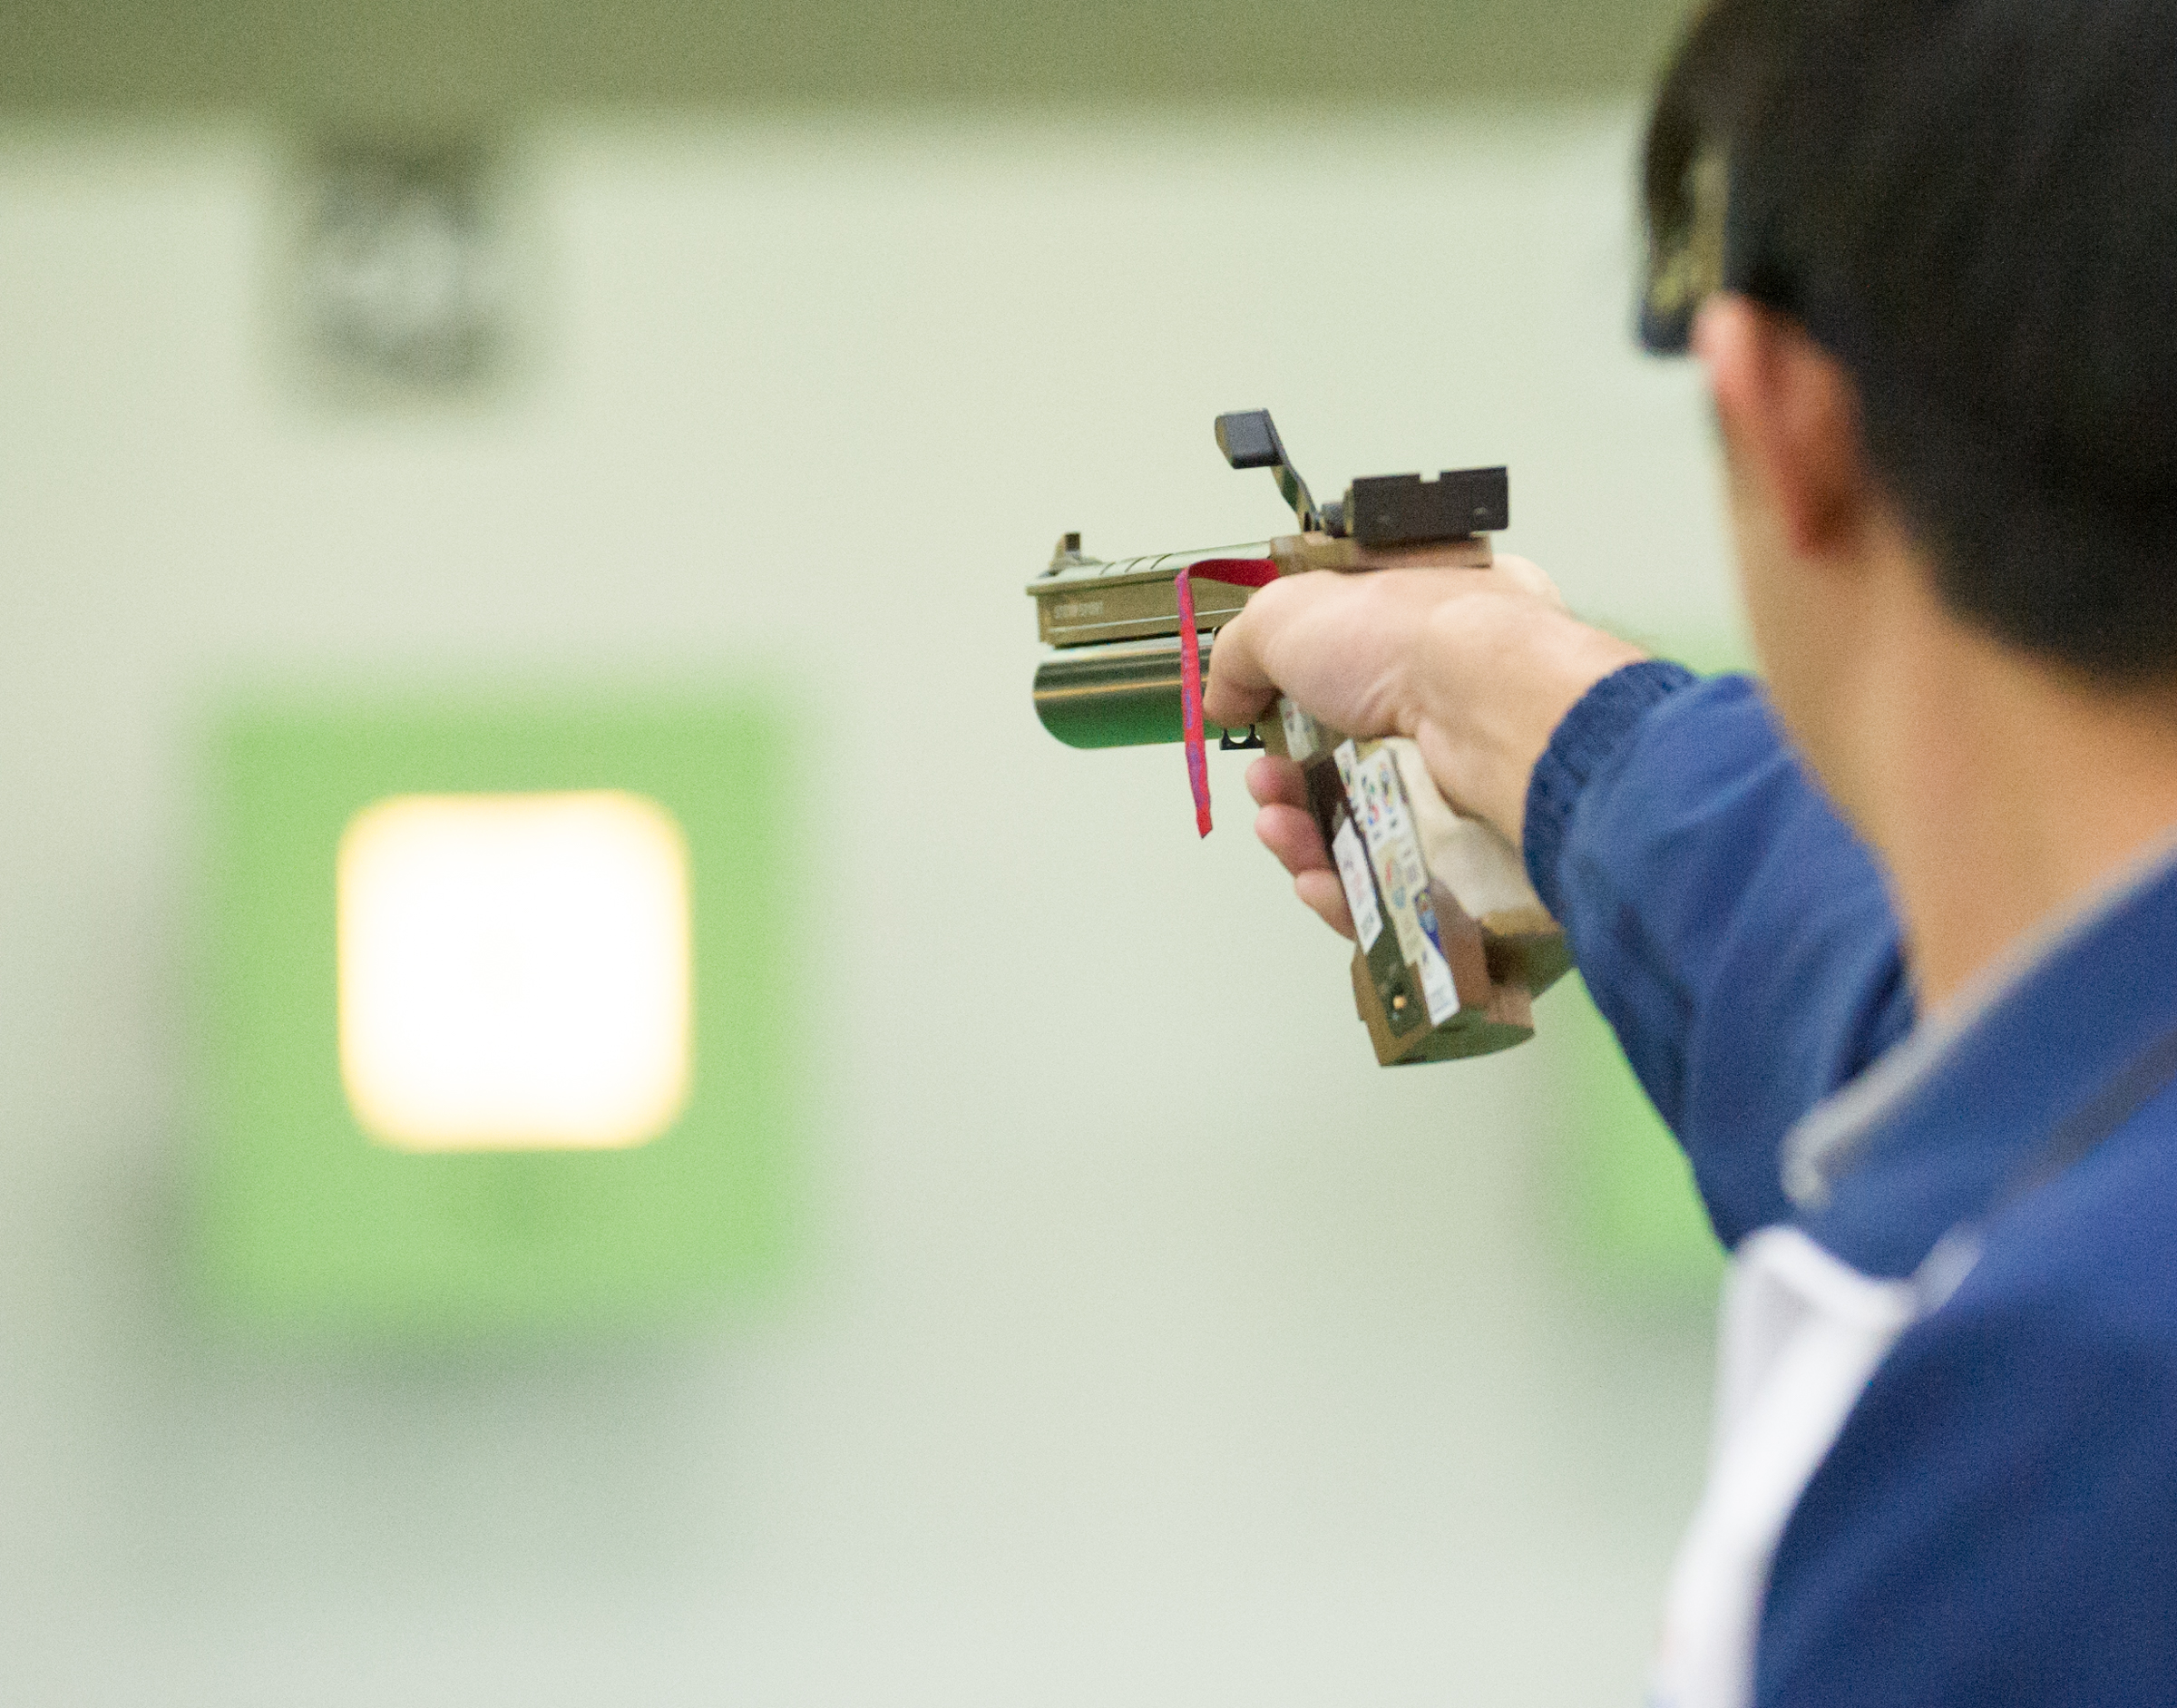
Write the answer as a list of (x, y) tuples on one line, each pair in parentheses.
[(1972, 204)]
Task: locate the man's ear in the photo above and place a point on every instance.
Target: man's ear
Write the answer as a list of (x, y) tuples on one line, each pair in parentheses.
[(1791, 416)]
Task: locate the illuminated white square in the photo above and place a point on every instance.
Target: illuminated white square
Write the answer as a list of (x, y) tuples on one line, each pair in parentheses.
[(515, 971)]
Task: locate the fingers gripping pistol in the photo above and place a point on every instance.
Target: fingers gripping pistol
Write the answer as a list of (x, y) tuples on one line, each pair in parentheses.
[(1453, 943)]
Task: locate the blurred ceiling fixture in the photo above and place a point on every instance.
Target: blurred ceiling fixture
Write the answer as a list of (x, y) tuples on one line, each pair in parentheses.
[(404, 274)]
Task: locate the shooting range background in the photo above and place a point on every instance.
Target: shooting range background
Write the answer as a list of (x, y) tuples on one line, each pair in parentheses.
[(1143, 1342)]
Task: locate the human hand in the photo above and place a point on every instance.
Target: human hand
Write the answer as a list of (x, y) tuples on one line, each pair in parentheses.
[(1286, 827), (1477, 665), (1342, 645)]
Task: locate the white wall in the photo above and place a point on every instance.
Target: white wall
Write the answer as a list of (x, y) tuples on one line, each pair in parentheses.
[(1149, 1345)]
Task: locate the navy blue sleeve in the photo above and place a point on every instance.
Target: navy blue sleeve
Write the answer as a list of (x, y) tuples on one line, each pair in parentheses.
[(1731, 929)]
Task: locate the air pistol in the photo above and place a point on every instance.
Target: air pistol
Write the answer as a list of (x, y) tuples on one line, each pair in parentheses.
[(1453, 944)]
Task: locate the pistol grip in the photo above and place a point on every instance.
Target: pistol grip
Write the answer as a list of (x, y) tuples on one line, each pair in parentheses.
[(1455, 945)]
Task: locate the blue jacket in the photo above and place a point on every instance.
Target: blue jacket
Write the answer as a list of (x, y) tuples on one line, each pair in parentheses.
[(1997, 1522)]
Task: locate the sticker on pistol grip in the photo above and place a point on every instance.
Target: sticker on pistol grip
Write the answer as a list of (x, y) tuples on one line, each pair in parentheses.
[(1303, 733), (1346, 755), (1359, 885), (1370, 784), (1439, 990), (1379, 800)]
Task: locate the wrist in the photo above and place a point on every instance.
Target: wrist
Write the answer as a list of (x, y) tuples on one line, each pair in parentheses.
[(1499, 676), (1586, 741)]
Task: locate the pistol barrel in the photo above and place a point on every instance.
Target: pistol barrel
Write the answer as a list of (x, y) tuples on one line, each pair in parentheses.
[(1124, 695)]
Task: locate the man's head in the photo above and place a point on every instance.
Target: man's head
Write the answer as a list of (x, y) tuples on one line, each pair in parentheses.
[(1928, 249)]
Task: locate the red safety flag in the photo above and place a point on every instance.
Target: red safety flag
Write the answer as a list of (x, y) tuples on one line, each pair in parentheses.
[(1233, 573)]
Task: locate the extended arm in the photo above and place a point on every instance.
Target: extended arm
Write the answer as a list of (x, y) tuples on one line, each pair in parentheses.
[(1731, 928)]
